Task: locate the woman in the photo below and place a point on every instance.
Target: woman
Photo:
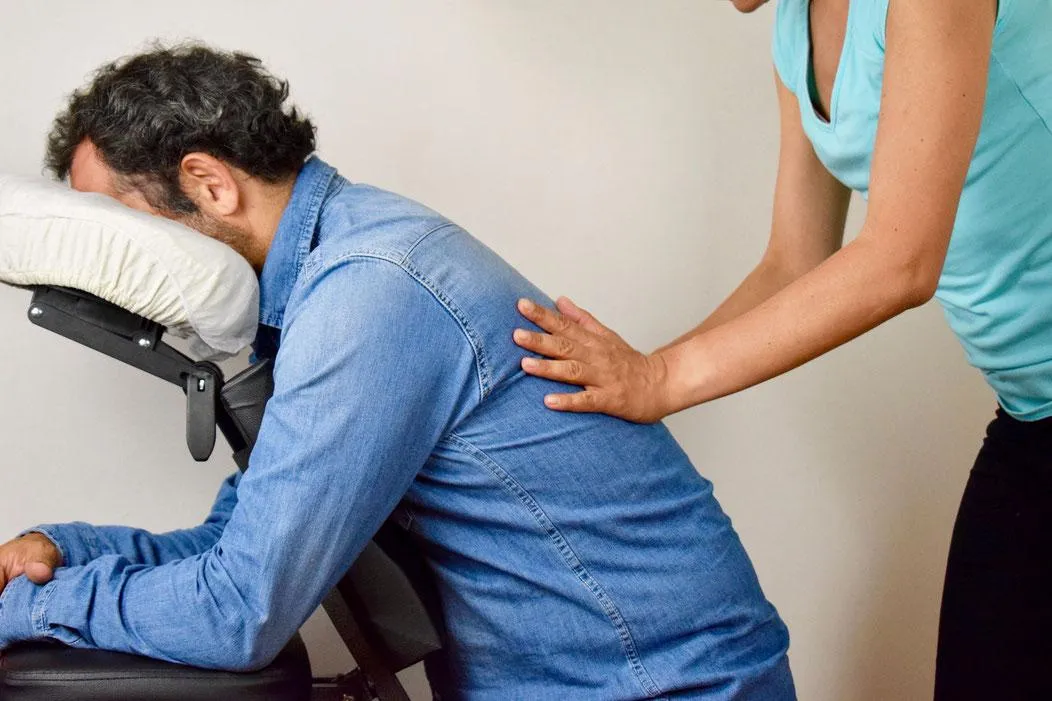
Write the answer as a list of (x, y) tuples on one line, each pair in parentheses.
[(940, 113)]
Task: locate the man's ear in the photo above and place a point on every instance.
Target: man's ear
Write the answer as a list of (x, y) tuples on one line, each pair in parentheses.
[(211, 184)]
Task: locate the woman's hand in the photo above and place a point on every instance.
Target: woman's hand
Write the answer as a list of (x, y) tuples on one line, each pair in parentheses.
[(617, 379)]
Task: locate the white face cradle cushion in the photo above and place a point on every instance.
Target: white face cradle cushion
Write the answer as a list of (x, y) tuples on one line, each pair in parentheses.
[(196, 287)]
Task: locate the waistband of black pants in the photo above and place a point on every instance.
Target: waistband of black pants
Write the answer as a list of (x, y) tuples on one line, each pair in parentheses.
[(1017, 438)]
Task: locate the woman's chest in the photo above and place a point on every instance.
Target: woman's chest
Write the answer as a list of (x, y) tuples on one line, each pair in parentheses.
[(840, 80)]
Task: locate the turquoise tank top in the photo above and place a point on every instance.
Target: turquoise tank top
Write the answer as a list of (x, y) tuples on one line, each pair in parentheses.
[(996, 286)]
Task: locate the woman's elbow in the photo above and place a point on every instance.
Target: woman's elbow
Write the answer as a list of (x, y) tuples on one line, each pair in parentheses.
[(915, 281), (905, 262)]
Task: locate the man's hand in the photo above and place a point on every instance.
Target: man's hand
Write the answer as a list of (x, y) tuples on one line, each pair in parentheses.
[(33, 555)]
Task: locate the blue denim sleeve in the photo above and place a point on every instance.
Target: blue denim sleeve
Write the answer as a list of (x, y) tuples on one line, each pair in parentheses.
[(80, 543), (372, 371)]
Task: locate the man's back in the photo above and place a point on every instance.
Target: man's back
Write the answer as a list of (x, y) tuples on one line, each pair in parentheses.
[(578, 556)]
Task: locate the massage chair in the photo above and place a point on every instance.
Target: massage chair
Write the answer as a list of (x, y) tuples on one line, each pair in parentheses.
[(122, 283)]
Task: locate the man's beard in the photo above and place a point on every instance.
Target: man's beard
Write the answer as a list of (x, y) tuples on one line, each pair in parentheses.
[(238, 239)]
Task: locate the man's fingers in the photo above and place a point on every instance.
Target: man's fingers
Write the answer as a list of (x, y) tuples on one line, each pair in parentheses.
[(39, 572), (546, 344), (579, 402), (572, 372), (580, 316)]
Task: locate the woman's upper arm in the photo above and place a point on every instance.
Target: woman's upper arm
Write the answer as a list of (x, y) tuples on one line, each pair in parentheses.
[(935, 73), (810, 205)]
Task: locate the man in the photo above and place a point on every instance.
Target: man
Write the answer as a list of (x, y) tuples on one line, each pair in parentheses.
[(576, 556)]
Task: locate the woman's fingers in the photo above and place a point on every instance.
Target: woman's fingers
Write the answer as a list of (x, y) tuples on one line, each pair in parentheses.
[(586, 401), (567, 319), (545, 344), (578, 350), (571, 311), (571, 372), (550, 320)]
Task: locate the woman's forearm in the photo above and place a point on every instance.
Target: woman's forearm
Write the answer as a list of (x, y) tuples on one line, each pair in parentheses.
[(767, 279), (855, 290), (763, 330)]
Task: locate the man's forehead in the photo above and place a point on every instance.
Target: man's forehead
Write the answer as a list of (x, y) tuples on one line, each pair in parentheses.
[(88, 172)]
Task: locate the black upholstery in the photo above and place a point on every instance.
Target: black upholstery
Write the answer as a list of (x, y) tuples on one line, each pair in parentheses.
[(52, 672)]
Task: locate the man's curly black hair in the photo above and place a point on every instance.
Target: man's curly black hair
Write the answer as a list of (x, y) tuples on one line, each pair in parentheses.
[(145, 112)]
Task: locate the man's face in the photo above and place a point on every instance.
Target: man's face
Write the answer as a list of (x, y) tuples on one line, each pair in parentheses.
[(89, 173)]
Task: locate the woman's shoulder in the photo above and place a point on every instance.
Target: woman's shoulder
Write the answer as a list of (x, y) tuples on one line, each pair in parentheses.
[(789, 41), (870, 17)]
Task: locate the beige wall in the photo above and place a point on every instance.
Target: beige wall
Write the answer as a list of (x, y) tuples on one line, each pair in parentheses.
[(619, 151)]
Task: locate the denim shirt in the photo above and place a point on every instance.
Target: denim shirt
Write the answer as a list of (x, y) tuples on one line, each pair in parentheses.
[(577, 556)]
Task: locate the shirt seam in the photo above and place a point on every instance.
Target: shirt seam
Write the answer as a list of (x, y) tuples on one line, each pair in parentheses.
[(1004, 11), (481, 367), (405, 258), (38, 615), (309, 223), (570, 558), (481, 361), (1019, 89)]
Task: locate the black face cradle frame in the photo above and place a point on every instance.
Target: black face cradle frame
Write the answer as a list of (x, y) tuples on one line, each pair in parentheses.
[(136, 341), (386, 607)]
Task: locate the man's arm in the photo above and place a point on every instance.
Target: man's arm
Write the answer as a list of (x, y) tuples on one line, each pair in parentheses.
[(371, 373), (37, 551), (79, 543)]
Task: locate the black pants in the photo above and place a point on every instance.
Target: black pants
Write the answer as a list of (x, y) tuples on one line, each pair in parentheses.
[(995, 632)]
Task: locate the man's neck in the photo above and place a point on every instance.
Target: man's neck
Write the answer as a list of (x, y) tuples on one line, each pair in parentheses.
[(264, 207)]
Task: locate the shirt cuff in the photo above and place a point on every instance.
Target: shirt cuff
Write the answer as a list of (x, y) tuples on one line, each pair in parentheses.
[(75, 541), (22, 606)]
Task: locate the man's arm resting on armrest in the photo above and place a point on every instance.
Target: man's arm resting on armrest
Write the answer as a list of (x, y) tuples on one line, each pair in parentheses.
[(371, 373), (79, 543)]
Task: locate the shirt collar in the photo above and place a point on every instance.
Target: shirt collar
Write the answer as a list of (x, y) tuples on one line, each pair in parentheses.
[(292, 241)]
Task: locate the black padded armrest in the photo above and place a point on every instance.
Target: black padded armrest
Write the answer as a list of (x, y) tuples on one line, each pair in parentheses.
[(44, 671)]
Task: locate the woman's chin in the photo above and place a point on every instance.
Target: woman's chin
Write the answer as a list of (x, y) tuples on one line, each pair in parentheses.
[(748, 5)]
